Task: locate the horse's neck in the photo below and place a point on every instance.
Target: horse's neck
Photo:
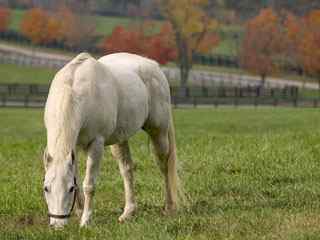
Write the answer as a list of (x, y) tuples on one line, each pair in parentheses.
[(63, 130)]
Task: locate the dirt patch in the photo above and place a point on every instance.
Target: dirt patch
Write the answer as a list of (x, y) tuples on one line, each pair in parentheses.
[(30, 220)]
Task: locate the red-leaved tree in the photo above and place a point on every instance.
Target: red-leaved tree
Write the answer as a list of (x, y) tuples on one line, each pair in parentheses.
[(4, 18), (262, 44), (159, 47), (34, 25), (41, 27), (310, 44)]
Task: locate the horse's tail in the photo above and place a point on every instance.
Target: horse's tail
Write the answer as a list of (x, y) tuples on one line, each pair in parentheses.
[(173, 178)]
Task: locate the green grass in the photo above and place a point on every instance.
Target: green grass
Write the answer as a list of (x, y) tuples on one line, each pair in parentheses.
[(249, 173), (228, 47), (105, 24), (15, 19), (10, 73)]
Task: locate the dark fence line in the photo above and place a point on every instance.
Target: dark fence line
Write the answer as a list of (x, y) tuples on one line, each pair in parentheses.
[(183, 92), (33, 95)]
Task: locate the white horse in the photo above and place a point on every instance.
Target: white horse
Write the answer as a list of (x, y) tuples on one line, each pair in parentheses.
[(94, 103)]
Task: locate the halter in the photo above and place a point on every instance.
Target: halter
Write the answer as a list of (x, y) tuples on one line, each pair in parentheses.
[(73, 203)]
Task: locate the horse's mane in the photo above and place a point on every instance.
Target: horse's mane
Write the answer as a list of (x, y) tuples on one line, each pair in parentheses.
[(62, 114)]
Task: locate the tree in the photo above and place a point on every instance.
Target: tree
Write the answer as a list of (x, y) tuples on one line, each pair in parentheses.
[(262, 44), (293, 37), (123, 40), (161, 46), (138, 40), (34, 25), (41, 27), (310, 44), (78, 30), (193, 29), (4, 18)]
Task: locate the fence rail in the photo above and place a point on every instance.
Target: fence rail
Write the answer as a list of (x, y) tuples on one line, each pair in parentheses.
[(33, 95)]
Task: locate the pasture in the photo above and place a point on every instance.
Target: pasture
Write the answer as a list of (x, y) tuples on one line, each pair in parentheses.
[(249, 174)]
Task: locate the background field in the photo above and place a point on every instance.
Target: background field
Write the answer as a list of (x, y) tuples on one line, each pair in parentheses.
[(249, 173), (11, 73)]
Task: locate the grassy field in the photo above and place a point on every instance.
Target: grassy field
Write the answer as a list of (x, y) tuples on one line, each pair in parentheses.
[(249, 174), (10, 73)]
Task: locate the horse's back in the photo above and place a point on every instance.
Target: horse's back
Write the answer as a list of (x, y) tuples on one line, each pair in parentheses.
[(149, 72)]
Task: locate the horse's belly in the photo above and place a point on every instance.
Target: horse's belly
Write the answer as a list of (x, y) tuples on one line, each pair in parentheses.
[(133, 110)]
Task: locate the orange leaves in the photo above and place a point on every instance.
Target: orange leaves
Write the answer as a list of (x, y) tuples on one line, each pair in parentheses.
[(34, 25), (76, 29), (194, 30), (262, 43), (191, 23), (302, 36), (159, 46), (40, 27), (4, 18), (43, 27), (295, 40), (122, 40), (310, 44)]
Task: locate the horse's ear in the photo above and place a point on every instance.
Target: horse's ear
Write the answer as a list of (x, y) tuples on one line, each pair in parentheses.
[(47, 159)]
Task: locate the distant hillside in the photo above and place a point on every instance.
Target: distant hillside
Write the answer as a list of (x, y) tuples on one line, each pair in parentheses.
[(220, 8)]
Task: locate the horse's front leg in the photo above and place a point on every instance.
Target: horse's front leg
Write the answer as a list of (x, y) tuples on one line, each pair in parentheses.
[(95, 153), (122, 153)]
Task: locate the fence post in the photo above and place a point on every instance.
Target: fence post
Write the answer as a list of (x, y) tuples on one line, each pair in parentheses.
[(26, 101), (315, 103), (195, 102), (275, 102)]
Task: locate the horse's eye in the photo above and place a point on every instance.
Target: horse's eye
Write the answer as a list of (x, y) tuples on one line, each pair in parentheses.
[(71, 189), (46, 189)]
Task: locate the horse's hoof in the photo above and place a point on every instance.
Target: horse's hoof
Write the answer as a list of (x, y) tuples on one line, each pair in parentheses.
[(84, 224), (169, 210), (128, 213), (85, 220), (79, 212)]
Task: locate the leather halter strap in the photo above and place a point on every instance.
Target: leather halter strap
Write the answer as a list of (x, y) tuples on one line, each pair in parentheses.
[(73, 203)]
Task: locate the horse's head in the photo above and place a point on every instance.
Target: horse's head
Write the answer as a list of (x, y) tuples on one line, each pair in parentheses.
[(60, 188)]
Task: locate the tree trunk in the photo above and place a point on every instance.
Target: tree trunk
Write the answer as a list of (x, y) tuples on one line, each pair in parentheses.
[(319, 86), (263, 80), (184, 72), (185, 63)]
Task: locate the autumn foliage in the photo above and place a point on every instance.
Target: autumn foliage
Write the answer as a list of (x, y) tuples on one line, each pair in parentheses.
[(310, 44), (76, 29), (262, 44), (40, 27), (43, 27), (4, 18), (159, 47), (194, 31)]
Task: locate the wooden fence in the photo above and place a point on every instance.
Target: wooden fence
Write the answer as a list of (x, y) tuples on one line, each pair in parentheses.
[(33, 95)]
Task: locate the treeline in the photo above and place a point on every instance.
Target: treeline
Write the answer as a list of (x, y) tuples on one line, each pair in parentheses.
[(271, 41), (230, 10)]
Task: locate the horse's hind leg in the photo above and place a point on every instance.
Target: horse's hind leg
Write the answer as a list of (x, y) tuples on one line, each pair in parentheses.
[(95, 153), (161, 142), (121, 152)]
